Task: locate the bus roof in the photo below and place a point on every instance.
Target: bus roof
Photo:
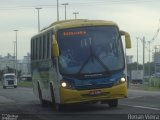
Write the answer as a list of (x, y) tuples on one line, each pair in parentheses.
[(77, 23), (8, 74)]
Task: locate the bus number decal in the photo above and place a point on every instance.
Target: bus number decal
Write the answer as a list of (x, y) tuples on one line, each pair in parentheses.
[(74, 33)]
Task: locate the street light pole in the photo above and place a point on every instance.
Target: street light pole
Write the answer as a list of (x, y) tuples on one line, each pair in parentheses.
[(14, 43), (57, 10), (149, 67), (65, 4), (137, 53), (143, 57), (75, 13), (156, 58), (16, 53), (38, 19)]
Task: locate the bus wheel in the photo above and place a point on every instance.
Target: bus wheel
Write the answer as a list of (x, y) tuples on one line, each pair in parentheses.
[(52, 95), (15, 86), (113, 103), (127, 83), (4, 87), (43, 102), (58, 107)]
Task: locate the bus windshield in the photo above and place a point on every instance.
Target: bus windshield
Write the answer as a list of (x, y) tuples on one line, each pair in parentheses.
[(90, 50), (9, 77)]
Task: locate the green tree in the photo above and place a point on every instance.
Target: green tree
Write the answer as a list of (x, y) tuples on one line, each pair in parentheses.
[(149, 67), (133, 66)]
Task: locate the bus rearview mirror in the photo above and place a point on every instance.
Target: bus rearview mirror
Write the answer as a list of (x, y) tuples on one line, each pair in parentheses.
[(127, 38), (55, 49)]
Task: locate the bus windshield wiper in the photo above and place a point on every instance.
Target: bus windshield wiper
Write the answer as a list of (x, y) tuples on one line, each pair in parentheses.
[(84, 64), (92, 56), (104, 66)]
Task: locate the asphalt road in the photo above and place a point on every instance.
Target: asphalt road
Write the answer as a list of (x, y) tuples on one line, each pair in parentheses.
[(21, 104)]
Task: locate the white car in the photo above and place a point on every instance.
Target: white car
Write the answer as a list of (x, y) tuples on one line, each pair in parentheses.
[(9, 80)]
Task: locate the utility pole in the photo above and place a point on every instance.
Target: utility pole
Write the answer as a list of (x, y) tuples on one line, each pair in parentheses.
[(38, 19), (137, 53), (57, 10), (75, 13), (16, 54), (14, 44), (155, 59), (149, 67), (143, 57), (65, 4)]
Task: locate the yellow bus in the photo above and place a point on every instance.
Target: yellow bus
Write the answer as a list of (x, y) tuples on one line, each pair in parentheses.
[(79, 61)]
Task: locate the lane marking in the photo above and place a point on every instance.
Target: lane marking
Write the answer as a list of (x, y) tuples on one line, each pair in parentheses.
[(151, 108), (135, 97), (136, 106)]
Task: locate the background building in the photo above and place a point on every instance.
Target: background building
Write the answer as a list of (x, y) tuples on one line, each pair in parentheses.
[(10, 62), (24, 65), (7, 61), (156, 58), (129, 59)]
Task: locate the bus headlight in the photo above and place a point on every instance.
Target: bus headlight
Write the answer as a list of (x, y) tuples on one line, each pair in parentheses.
[(120, 81), (123, 80), (66, 84)]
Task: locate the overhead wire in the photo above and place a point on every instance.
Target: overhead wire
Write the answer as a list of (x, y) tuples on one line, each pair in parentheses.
[(87, 3), (155, 36)]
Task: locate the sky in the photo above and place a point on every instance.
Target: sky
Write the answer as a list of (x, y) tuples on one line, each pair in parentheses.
[(138, 17)]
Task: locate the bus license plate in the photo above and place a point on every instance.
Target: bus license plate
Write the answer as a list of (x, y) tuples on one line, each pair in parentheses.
[(95, 92)]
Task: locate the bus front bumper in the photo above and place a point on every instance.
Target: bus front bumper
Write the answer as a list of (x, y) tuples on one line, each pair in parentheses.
[(68, 96)]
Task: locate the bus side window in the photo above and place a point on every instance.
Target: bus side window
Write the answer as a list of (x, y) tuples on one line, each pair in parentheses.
[(49, 45), (50, 39), (44, 47), (32, 49), (36, 49), (39, 47)]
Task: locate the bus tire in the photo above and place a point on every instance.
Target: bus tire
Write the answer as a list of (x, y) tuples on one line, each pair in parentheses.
[(52, 95), (58, 107), (43, 102), (128, 81), (113, 103), (15, 86), (127, 84), (4, 87)]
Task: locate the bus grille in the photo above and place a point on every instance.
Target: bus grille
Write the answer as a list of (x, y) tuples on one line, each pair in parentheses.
[(94, 86), (10, 82)]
